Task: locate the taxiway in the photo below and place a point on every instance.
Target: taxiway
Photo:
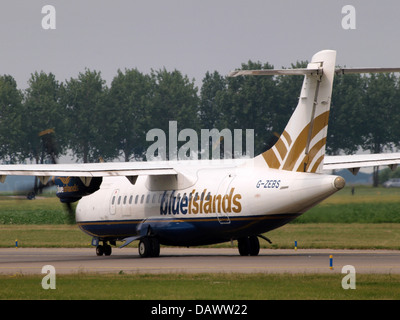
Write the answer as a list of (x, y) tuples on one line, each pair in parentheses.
[(196, 260)]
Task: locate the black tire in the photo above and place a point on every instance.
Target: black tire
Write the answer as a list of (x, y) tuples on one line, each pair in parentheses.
[(107, 250), (99, 250), (254, 249), (155, 247), (249, 246), (243, 246), (144, 248)]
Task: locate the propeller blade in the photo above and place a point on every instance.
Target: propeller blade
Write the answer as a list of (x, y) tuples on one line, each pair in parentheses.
[(70, 213)]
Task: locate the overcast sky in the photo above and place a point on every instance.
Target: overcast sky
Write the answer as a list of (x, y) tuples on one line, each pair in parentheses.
[(191, 36)]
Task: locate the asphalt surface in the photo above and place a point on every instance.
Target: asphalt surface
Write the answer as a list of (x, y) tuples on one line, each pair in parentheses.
[(196, 260)]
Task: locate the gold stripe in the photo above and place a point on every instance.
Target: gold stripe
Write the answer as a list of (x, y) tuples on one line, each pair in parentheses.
[(316, 165), (296, 149), (300, 144), (320, 122), (311, 155), (271, 159), (287, 136), (280, 146)]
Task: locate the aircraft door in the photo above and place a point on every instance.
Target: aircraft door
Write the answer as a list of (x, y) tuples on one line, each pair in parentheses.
[(223, 190), (114, 201)]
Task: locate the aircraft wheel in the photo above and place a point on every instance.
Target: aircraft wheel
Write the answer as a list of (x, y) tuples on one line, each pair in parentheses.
[(144, 248), (243, 246), (107, 250), (149, 247), (249, 246), (155, 247), (254, 246), (99, 250)]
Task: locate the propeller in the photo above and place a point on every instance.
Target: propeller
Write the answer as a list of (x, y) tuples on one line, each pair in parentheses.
[(49, 150)]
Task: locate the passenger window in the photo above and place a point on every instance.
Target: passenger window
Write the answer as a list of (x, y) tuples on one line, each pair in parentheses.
[(125, 199), (142, 199), (113, 200), (148, 198), (154, 198), (136, 199), (119, 200), (130, 199)]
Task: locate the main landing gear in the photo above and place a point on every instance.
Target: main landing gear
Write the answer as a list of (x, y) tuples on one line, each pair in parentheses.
[(149, 247), (249, 246)]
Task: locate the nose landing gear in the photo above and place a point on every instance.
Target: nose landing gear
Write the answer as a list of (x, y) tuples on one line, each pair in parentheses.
[(104, 249)]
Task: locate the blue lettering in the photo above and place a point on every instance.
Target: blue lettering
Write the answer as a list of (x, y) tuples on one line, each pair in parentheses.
[(184, 204), (164, 204), (170, 201), (175, 205), (268, 184)]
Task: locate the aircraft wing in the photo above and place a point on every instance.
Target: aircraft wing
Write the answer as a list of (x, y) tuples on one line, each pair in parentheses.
[(89, 169), (355, 162)]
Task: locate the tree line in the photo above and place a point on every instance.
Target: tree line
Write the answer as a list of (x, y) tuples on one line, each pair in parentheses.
[(95, 121)]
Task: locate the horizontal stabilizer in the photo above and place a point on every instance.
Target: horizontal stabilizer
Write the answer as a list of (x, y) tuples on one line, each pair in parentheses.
[(341, 71), (274, 72), (303, 71), (361, 160)]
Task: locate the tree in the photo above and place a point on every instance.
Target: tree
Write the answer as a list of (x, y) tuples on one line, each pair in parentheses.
[(174, 99), (130, 96), (380, 107), (11, 120), (250, 103), (87, 116), (212, 87), (345, 120), (43, 111)]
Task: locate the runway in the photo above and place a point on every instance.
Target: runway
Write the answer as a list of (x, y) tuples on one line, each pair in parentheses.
[(196, 260)]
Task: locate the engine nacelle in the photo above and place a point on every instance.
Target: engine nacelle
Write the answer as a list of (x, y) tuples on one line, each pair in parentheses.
[(71, 189)]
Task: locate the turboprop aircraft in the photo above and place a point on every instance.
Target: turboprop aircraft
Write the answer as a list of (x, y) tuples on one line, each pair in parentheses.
[(199, 202)]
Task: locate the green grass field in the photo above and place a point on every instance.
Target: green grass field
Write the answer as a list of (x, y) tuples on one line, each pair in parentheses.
[(201, 287)]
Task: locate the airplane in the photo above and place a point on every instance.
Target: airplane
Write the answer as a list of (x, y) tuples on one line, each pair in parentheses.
[(202, 202)]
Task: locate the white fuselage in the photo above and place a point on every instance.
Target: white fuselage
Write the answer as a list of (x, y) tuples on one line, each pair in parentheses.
[(227, 200)]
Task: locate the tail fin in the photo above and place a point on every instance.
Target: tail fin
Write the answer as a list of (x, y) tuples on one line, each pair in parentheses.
[(301, 147)]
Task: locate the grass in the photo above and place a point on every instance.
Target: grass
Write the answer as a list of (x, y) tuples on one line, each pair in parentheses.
[(201, 287), (367, 205), (44, 210)]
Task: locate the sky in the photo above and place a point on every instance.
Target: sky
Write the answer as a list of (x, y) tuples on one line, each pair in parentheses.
[(191, 36)]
